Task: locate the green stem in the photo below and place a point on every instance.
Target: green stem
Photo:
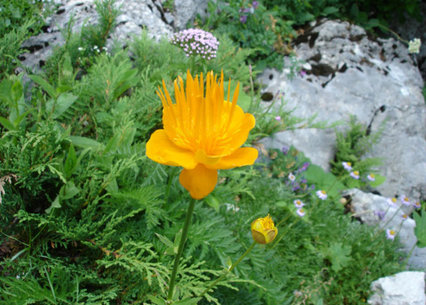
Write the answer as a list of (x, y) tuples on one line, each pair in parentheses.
[(228, 270), (180, 249), (169, 183)]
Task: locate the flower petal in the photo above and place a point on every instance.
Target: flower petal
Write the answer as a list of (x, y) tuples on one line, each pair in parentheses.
[(240, 127), (199, 182), (160, 149), (241, 157)]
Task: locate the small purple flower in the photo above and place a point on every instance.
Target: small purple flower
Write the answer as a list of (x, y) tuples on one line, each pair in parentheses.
[(284, 149), (302, 73), (243, 18), (304, 167), (417, 205), (255, 4), (296, 187), (278, 118), (380, 214)]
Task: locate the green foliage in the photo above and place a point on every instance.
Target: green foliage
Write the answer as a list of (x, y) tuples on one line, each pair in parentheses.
[(10, 47), (420, 228), (20, 19), (268, 28), (88, 219), (338, 254), (81, 49), (367, 13), (352, 145), (253, 28)]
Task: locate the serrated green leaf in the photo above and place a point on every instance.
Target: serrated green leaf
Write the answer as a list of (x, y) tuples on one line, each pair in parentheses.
[(155, 300), (167, 242), (338, 254), (191, 301)]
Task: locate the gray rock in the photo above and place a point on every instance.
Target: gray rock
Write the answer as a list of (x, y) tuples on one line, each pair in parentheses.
[(373, 80), (134, 16), (404, 288), (141, 14), (306, 140), (187, 10), (375, 210), (412, 28)]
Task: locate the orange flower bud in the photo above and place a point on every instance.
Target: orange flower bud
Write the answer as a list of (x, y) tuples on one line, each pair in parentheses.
[(263, 230)]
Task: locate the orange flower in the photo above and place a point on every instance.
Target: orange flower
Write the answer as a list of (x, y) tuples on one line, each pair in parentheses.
[(263, 230), (202, 132)]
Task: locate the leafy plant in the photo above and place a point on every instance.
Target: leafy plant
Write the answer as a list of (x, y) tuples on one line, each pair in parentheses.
[(86, 218), (351, 147)]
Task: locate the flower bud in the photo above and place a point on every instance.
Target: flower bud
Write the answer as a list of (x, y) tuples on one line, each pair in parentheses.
[(263, 230)]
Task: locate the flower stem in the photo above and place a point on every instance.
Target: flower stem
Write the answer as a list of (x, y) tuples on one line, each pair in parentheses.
[(228, 270), (180, 249)]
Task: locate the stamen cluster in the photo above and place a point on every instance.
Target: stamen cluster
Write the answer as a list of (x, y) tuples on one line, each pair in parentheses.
[(196, 42)]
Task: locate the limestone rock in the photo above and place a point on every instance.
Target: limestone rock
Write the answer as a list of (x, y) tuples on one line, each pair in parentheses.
[(375, 210), (187, 10), (404, 288), (134, 16), (316, 144), (346, 74), (412, 28)]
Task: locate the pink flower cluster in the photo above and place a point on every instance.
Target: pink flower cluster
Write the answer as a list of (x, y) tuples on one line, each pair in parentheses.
[(196, 42)]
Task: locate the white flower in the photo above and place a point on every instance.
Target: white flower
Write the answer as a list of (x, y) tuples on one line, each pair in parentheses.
[(354, 174), (321, 194), (371, 177), (301, 212), (390, 234), (291, 177), (347, 166), (231, 207), (298, 203), (392, 202), (405, 200), (414, 45)]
